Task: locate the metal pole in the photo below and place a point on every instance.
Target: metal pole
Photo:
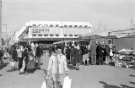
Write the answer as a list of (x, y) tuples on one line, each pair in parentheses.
[(5, 25), (0, 20)]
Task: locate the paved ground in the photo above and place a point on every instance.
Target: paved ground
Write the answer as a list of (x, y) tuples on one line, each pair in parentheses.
[(87, 77)]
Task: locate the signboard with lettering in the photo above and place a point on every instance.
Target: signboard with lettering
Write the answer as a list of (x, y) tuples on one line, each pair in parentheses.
[(37, 30)]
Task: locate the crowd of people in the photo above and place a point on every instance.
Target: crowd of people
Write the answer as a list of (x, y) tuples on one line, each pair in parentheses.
[(22, 57), (76, 53), (94, 53), (61, 57)]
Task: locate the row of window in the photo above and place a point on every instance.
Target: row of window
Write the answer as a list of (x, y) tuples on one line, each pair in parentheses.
[(79, 26), (70, 35)]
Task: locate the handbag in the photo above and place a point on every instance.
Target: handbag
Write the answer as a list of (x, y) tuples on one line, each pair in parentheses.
[(111, 54)]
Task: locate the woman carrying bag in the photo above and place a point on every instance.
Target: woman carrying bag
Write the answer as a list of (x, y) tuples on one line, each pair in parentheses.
[(57, 67)]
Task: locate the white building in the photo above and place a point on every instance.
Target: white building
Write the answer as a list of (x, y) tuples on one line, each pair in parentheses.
[(53, 30)]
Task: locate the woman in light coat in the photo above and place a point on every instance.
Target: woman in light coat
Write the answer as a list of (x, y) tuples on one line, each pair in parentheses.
[(57, 67)]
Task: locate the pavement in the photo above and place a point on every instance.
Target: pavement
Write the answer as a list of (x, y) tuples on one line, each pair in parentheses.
[(92, 76)]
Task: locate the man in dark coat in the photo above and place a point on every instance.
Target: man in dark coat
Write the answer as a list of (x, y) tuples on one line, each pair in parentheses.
[(99, 52), (38, 55), (38, 52), (104, 53), (73, 56), (68, 54), (14, 54), (1, 55), (107, 48)]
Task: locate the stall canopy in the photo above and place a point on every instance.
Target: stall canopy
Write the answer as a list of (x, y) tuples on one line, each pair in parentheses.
[(125, 38), (123, 33)]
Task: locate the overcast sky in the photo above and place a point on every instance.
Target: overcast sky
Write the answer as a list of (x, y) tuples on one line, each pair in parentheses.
[(105, 15)]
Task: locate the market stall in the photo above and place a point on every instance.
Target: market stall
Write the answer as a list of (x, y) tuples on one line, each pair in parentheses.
[(125, 46)]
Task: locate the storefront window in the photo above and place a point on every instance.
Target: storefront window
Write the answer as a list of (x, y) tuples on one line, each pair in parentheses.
[(75, 26), (85, 26), (70, 25), (65, 25), (65, 35), (57, 25), (45, 34), (33, 34), (51, 35), (70, 35), (75, 35), (39, 34), (80, 26), (51, 25), (57, 34)]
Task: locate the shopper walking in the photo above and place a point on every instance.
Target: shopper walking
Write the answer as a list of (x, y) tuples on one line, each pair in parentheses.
[(19, 56), (57, 67), (99, 51), (38, 56)]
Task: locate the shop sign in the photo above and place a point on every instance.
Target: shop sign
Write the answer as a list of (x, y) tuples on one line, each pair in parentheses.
[(39, 30)]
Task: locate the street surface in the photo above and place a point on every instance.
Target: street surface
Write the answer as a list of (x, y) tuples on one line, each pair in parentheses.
[(91, 76)]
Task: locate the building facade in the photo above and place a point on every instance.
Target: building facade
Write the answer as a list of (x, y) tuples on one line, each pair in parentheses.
[(47, 30)]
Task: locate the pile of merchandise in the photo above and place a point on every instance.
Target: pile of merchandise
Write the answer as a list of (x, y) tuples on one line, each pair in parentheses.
[(124, 58)]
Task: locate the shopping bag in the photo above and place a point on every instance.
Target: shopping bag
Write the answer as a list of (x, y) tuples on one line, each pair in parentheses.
[(67, 82), (43, 85), (111, 53)]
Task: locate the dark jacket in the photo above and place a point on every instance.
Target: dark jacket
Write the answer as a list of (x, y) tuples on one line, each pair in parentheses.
[(1, 53), (38, 51), (107, 49), (99, 50)]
